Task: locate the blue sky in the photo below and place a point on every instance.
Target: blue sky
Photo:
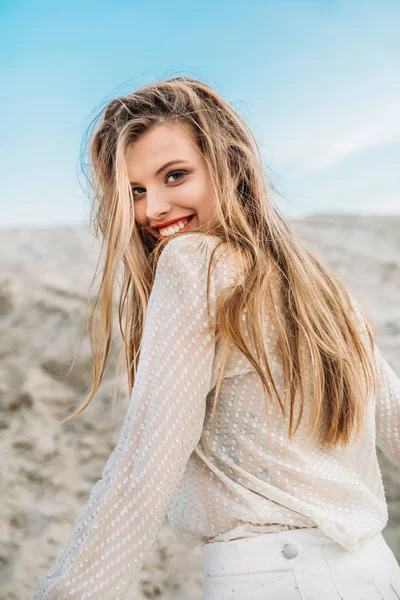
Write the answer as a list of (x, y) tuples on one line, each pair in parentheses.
[(318, 81)]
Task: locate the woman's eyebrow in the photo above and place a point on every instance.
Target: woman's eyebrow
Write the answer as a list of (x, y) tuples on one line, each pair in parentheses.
[(167, 164)]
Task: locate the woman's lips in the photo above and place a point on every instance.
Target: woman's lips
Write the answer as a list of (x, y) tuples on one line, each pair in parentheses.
[(187, 226)]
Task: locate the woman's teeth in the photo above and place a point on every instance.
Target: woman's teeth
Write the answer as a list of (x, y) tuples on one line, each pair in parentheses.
[(174, 228)]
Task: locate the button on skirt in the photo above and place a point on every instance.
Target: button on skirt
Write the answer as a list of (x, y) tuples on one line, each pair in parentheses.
[(300, 564)]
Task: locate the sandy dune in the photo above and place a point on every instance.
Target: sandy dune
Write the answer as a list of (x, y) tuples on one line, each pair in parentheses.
[(47, 469)]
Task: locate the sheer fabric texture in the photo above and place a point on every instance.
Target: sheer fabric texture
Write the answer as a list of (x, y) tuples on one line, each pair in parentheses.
[(232, 477)]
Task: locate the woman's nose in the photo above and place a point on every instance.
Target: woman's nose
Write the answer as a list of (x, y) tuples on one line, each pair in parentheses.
[(156, 208)]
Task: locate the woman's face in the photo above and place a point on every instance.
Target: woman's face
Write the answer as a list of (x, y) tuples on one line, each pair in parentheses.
[(162, 192)]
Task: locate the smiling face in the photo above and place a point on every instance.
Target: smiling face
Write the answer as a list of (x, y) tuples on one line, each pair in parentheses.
[(179, 190)]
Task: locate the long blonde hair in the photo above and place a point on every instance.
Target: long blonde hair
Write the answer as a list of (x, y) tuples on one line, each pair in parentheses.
[(316, 325)]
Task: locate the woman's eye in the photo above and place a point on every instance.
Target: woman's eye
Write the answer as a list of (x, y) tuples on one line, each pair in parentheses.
[(176, 173), (181, 173), (134, 189)]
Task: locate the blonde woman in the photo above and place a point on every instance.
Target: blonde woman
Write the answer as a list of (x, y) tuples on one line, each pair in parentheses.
[(257, 393)]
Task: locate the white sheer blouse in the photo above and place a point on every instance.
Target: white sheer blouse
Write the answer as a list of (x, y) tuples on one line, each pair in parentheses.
[(235, 476)]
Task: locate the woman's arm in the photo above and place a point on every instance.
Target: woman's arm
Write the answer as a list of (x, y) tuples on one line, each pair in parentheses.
[(126, 508), (387, 414)]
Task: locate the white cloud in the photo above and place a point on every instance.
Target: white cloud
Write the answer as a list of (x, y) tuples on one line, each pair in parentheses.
[(321, 141)]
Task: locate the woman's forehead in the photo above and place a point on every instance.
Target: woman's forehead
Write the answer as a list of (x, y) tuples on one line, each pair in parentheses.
[(155, 148)]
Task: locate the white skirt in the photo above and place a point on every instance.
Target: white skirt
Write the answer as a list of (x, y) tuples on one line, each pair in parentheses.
[(299, 564)]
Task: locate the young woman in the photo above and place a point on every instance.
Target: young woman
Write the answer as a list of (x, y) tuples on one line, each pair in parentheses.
[(257, 391)]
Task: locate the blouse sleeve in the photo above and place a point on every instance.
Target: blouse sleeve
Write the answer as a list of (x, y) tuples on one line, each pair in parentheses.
[(387, 412), (126, 507)]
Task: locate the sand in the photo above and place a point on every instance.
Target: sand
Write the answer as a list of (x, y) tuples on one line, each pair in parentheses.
[(47, 469)]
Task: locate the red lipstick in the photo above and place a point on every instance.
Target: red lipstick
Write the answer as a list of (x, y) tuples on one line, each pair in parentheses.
[(171, 222), (187, 226)]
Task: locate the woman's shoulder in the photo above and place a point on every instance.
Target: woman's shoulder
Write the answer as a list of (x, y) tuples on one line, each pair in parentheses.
[(193, 241), (189, 242), (191, 248), (183, 252)]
